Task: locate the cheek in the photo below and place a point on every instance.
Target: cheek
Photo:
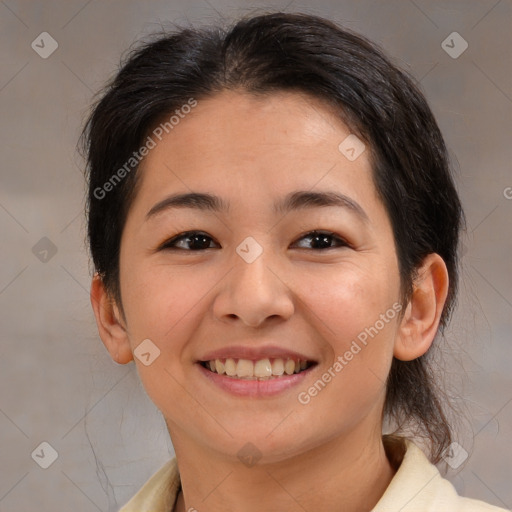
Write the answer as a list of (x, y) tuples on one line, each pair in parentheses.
[(160, 302), (165, 306), (349, 300), (356, 313)]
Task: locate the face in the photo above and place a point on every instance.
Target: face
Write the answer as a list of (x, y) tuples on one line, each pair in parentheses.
[(287, 256)]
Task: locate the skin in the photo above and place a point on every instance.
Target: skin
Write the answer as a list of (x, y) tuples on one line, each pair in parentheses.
[(252, 151)]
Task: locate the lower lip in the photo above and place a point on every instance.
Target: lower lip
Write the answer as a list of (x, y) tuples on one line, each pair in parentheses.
[(255, 388)]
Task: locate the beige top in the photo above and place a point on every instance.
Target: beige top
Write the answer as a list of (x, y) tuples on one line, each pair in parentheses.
[(416, 487)]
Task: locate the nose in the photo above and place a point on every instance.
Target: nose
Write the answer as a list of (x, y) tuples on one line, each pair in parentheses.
[(254, 294)]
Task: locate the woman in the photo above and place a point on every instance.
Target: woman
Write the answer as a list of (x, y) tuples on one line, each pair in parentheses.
[(274, 229)]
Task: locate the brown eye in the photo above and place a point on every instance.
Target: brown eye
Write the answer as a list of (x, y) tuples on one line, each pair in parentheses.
[(190, 241), (323, 240)]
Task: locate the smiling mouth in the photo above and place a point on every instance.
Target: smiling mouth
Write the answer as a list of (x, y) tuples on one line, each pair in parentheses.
[(261, 369)]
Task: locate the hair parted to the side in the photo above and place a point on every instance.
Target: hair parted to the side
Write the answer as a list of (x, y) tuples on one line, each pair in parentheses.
[(310, 55)]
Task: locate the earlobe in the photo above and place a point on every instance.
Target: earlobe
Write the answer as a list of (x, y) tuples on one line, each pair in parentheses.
[(421, 319), (111, 328)]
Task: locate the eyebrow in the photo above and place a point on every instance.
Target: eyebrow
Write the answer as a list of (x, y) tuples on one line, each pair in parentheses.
[(294, 201)]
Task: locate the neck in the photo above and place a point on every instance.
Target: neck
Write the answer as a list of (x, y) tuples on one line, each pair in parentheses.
[(343, 471)]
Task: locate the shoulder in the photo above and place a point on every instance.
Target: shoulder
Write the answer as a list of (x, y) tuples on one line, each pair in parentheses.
[(416, 487), (159, 493), (419, 487)]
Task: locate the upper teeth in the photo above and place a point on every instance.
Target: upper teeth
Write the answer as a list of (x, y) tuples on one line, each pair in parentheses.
[(247, 369)]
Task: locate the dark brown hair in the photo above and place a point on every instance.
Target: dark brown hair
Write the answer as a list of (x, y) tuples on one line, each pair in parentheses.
[(303, 53)]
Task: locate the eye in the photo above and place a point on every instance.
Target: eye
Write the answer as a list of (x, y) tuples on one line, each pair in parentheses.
[(323, 240), (189, 241), (199, 241)]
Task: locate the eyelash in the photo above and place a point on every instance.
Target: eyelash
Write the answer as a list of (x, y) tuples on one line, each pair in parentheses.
[(170, 244)]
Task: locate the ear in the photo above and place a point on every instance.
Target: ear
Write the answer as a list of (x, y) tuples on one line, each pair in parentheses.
[(111, 327), (423, 312)]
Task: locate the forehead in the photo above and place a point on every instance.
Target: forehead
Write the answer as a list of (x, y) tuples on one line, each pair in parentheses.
[(273, 121), (255, 145)]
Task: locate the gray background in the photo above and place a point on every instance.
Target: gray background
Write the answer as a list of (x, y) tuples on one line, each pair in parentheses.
[(57, 383)]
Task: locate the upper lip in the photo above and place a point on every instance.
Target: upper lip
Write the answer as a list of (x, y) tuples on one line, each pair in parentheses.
[(255, 353)]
